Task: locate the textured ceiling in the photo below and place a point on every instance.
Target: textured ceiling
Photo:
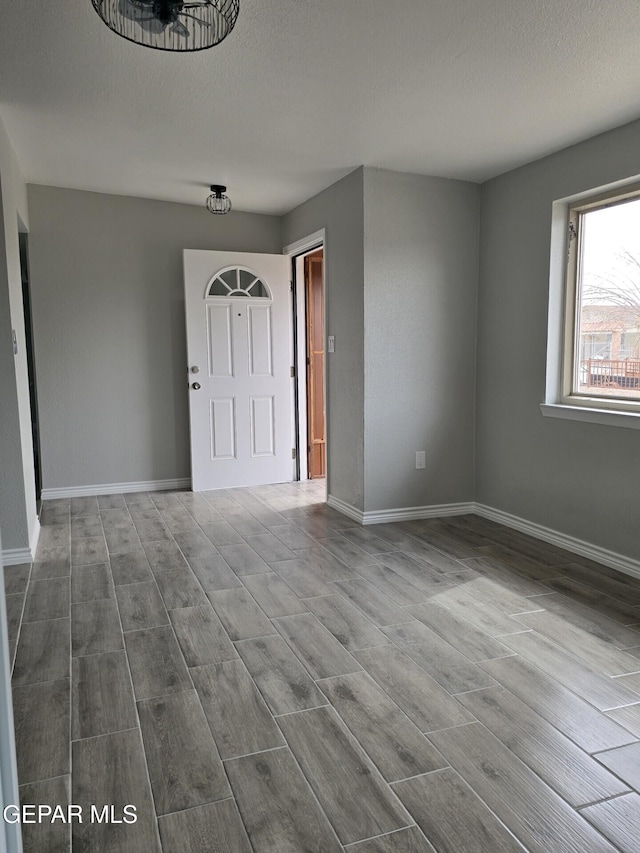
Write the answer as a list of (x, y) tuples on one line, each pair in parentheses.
[(302, 92)]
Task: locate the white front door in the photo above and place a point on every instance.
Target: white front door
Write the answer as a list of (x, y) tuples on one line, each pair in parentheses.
[(239, 358)]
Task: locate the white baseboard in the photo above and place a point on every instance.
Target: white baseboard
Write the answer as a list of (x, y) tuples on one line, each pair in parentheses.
[(115, 488), (627, 565), (18, 556), (409, 513)]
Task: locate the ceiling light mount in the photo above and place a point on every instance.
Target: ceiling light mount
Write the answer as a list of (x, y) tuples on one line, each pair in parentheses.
[(218, 202), (170, 24)]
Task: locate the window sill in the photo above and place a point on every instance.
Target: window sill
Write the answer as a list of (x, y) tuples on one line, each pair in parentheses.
[(609, 417)]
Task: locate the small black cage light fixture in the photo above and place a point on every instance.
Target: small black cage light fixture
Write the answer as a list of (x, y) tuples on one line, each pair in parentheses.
[(170, 24), (218, 202)]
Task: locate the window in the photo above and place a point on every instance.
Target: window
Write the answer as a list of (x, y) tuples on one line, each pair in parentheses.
[(601, 363), (238, 282)]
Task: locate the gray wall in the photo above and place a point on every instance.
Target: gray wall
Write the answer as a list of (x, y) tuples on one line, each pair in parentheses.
[(109, 329), (339, 209), (17, 482), (579, 478), (420, 271)]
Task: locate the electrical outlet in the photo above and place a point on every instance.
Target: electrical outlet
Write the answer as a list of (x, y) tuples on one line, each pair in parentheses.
[(421, 460)]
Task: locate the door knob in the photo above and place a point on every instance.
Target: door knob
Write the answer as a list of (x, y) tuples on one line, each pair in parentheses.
[(196, 386)]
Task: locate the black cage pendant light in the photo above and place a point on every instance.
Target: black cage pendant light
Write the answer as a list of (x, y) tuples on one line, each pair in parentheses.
[(170, 24), (218, 202)]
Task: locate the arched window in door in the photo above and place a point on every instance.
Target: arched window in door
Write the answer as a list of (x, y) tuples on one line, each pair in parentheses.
[(238, 281)]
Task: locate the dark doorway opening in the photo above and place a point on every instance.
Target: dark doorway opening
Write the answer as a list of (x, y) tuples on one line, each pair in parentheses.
[(28, 327)]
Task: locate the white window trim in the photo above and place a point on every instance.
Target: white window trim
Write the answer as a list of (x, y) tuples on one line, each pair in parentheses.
[(559, 401)]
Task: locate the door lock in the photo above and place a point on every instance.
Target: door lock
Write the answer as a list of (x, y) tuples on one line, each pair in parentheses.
[(196, 386), (195, 369)]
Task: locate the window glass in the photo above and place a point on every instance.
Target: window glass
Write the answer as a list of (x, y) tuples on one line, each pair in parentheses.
[(607, 310), (238, 282)]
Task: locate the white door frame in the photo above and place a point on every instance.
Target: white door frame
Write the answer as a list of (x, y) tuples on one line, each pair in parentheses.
[(296, 251)]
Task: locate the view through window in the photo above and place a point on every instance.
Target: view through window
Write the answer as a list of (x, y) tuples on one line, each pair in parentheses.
[(606, 361)]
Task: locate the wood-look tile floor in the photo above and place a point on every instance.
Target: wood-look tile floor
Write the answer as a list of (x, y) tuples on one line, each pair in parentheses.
[(253, 671)]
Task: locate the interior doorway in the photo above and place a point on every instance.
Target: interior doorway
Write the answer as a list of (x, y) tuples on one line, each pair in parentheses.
[(316, 434), (308, 258)]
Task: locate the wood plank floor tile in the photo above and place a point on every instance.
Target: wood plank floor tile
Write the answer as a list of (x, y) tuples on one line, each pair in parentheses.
[(111, 502), (111, 769), (453, 817), (380, 609), (619, 611), (599, 655), (303, 580), (157, 665), (624, 762), (151, 530), (352, 793), (574, 717), (347, 551), (592, 621), (52, 563), (292, 536), (214, 573), (90, 583), (141, 606), (92, 549), (462, 635), (393, 585), (505, 576), (124, 540), (86, 525), (237, 714), (324, 565), (416, 571), (16, 579), (366, 539), (319, 651), (273, 595), (216, 828), (536, 815), (604, 693), (222, 533), (628, 717), (422, 699), (452, 670), (15, 606), (130, 568), (618, 820), (43, 652), (164, 555), (201, 636), (184, 765), (346, 622), (240, 614), (281, 678), (179, 587), (409, 840), (47, 837), (102, 697), (42, 720), (47, 599), (243, 559), (617, 585), (270, 548), (95, 627), (195, 545), (83, 506), (279, 811), (566, 768), (394, 744)]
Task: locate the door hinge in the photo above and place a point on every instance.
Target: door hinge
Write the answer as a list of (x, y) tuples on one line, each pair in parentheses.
[(293, 372), (294, 454)]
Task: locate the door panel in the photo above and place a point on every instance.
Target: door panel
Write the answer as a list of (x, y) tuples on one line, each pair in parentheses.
[(239, 341)]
